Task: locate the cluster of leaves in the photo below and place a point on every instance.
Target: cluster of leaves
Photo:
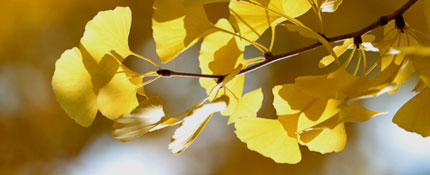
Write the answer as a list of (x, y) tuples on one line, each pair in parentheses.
[(310, 112)]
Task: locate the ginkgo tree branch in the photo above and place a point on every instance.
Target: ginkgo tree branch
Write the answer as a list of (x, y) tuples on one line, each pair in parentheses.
[(169, 73), (382, 21)]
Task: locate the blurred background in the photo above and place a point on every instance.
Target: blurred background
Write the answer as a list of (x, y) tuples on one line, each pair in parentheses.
[(36, 136)]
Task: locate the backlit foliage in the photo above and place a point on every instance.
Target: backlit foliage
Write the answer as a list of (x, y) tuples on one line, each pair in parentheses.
[(311, 111)]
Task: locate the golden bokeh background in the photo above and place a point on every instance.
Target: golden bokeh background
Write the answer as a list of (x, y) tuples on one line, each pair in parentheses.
[(36, 136)]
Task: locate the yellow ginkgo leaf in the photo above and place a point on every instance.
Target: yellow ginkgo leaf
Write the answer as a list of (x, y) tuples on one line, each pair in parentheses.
[(404, 74), (107, 32), (220, 54), (421, 65), (118, 97), (421, 62), (73, 88), (141, 120), (325, 140), (309, 113), (176, 28), (389, 80), (353, 112), (252, 19), (290, 8), (414, 116), (329, 111), (290, 123), (268, 137), (290, 102), (135, 78), (338, 85), (194, 123), (247, 106)]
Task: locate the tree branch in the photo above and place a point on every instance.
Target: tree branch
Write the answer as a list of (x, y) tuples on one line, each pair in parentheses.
[(382, 21)]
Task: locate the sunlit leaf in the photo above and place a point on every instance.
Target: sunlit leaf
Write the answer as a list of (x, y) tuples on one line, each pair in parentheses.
[(141, 120), (117, 97), (414, 116), (338, 84), (135, 78), (73, 89), (289, 8), (421, 61), (194, 123), (176, 28), (290, 102), (353, 112), (325, 140), (252, 20), (404, 74), (421, 65), (103, 47), (108, 31), (247, 106), (268, 137), (220, 54)]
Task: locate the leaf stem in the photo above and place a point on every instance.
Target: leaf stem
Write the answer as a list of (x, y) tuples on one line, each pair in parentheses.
[(146, 59)]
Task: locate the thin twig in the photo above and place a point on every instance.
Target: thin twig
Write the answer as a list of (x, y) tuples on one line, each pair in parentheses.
[(382, 21)]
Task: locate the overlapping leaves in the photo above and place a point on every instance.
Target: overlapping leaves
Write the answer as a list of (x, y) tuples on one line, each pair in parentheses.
[(89, 78), (310, 112)]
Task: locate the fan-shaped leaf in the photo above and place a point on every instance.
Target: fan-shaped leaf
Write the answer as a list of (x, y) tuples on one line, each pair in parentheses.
[(72, 86), (414, 116), (176, 28), (247, 106), (268, 137), (220, 54)]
